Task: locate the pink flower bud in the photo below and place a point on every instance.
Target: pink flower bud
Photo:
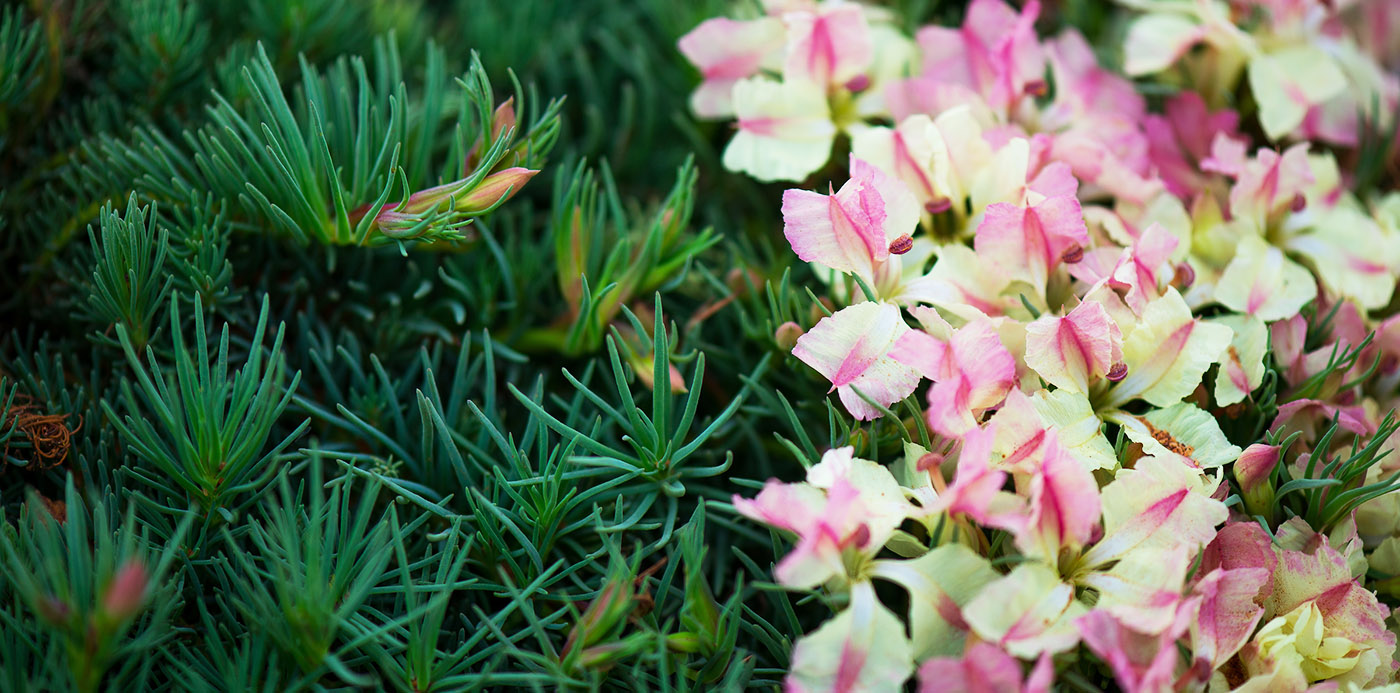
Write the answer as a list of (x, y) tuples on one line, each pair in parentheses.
[(127, 592), (1255, 465)]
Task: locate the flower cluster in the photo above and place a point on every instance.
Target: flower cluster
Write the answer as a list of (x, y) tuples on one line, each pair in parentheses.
[(1160, 334)]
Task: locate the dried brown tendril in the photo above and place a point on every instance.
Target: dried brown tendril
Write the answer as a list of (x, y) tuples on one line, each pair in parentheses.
[(48, 434)]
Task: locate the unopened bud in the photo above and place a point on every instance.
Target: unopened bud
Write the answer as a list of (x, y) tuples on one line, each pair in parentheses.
[(684, 642), (503, 118), (786, 335), (901, 245), (1073, 254), (127, 593), (497, 188), (645, 368), (1255, 465), (1253, 471), (1117, 372)]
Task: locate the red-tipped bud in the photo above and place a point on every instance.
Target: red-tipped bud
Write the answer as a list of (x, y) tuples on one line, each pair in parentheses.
[(1255, 465), (127, 593), (497, 188), (1073, 254), (503, 118), (901, 245), (1117, 372), (1253, 470), (786, 335)]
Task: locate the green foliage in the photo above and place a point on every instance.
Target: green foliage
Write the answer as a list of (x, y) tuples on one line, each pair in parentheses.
[(20, 59), (323, 561), (163, 51), (213, 424), (1331, 486), (129, 280), (88, 579), (625, 255), (488, 404)]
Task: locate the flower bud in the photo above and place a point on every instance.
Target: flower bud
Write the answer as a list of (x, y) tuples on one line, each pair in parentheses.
[(645, 367), (608, 654), (503, 118), (497, 188), (604, 615), (1252, 471), (127, 593), (689, 643), (786, 335)]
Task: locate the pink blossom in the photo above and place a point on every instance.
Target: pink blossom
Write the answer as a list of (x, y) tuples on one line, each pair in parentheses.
[(995, 53), (984, 668), (832, 45), (1027, 242), (1064, 505), (868, 347), (851, 230), (1179, 140), (1074, 351), (726, 51), (1141, 662), (975, 374)]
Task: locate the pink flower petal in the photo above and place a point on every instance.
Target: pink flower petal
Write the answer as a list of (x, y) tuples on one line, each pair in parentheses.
[(1074, 351)]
